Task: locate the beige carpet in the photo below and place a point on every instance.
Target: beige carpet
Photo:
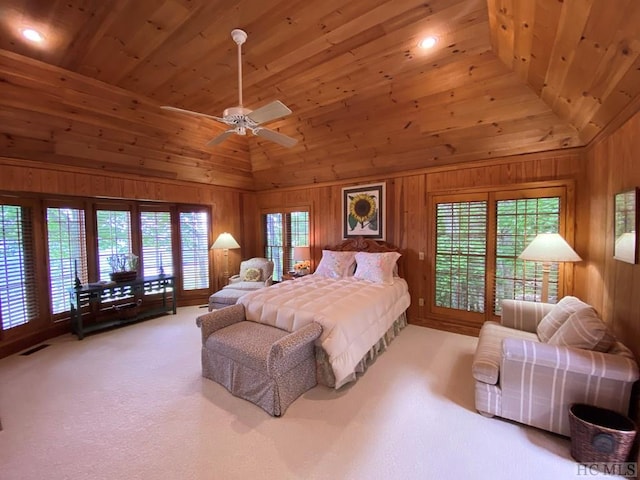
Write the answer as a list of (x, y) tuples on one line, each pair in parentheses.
[(130, 404)]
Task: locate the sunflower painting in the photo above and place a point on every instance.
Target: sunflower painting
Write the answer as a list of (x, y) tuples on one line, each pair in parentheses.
[(363, 211)]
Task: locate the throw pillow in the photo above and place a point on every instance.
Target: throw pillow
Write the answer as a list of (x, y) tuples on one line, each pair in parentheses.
[(376, 267), (252, 275), (583, 329), (335, 264), (553, 320)]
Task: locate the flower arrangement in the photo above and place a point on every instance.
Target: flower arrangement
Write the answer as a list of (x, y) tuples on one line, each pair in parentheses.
[(302, 267)]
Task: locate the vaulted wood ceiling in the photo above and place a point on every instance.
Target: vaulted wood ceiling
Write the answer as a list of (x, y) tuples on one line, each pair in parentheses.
[(506, 76)]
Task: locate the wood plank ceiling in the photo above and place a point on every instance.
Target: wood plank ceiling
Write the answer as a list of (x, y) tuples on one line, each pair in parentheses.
[(506, 76)]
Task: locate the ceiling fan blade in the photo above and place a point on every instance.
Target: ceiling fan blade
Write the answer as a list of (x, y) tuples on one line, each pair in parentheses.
[(270, 111), (220, 138), (191, 112), (283, 140)]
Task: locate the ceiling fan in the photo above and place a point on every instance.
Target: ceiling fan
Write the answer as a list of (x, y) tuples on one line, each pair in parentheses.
[(241, 119)]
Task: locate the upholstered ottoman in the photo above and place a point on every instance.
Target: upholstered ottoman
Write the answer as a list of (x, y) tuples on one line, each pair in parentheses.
[(265, 365), (225, 297)]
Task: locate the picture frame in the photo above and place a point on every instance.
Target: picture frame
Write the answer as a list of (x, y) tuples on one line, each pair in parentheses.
[(626, 226), (364, 212)]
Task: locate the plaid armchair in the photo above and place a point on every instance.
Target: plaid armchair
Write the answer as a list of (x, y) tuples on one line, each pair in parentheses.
[(525, 371)]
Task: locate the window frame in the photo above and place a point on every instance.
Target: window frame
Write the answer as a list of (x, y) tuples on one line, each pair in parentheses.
[(133, 229), (159, 260), (40, 289), (287, 250), (83, 267), (191, 295), (531, 193), (445, 311)]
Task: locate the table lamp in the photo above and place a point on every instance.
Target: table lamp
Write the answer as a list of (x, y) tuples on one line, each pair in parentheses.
[(301, 254), (548, 248)]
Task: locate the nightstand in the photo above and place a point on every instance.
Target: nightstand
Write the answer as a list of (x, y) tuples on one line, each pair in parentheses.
[(288, 276)]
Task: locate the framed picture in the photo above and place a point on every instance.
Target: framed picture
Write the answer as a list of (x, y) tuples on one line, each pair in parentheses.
[(363, 211), (626, 226)]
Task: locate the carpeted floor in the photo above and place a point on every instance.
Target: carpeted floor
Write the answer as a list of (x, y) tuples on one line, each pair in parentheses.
[(130, 404)]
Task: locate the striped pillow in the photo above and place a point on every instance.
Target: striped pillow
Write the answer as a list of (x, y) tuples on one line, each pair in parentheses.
[(559, 314), (583, 329)]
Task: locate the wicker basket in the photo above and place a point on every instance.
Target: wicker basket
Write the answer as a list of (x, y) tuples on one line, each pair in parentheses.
[(124, 276), (599, 435)]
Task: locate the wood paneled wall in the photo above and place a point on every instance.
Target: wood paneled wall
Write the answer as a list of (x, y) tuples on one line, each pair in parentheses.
[(611, 286), (408, 218)]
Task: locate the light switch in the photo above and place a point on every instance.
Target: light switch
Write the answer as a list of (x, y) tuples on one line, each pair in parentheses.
[(420, 255)]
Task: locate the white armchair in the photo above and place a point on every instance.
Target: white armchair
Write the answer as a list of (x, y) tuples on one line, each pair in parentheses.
[(254, 273)]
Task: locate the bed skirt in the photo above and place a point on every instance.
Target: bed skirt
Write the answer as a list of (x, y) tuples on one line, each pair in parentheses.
[(323, 367)]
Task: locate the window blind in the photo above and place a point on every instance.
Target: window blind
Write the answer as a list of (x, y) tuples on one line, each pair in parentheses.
[(518, 222), (18, 299), (194, 250), (66, 237), (461, 245)]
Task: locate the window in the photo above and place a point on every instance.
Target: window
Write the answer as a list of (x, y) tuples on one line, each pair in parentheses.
[(478, 238), (461, 245), (18, 296), (66, 235), (157, 250), (283, 231), (194, 250), (518, 222), (114, 236)]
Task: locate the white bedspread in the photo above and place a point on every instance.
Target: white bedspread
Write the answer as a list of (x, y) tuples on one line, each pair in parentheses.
[(354, 314)]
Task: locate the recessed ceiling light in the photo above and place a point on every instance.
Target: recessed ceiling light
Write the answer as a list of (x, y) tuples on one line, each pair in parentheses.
[(32, 35), (428, 42)]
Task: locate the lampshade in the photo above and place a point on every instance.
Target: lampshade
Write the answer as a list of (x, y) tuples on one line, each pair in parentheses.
[(549, 247), (301, 253), (625, 247), (225, 240)]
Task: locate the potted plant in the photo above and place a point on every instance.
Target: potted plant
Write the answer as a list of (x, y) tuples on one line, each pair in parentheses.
[(124, 267)]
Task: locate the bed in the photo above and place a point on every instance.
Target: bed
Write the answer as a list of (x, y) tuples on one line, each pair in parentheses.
[(356, 295)]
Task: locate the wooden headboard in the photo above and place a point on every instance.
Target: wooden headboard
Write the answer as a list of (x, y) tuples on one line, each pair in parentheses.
[(361, 244)]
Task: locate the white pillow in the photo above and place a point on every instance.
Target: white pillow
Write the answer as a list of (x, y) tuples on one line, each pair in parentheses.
[(335, 264), (556, 317), (376, 267)]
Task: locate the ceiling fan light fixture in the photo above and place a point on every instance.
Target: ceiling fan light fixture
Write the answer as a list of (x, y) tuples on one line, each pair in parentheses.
[(428, 42)]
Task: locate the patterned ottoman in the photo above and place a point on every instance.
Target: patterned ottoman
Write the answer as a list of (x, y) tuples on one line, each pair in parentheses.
[(224, 298)]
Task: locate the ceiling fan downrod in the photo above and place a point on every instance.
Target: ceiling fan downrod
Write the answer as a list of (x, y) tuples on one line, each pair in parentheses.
[(239, 36)]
